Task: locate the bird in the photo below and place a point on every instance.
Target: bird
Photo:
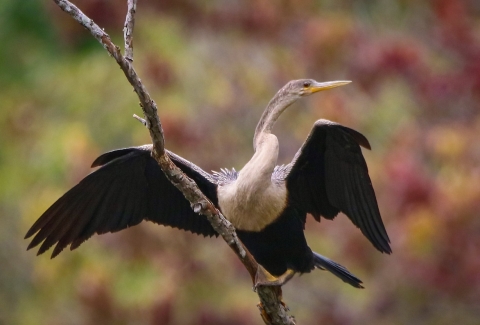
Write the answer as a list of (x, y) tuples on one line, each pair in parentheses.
[(268, 204)]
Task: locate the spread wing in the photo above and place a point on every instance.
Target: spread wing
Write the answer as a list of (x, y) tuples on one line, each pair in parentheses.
[(329, 174), (128, 188)]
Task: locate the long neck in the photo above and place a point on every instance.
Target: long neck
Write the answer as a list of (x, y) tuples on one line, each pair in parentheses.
[(257, 173), (274, 108)]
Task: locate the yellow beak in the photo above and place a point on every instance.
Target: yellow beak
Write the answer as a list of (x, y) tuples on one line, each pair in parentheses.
[(320, 86)]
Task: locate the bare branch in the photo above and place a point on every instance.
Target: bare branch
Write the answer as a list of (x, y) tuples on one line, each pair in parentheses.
[(273, 310), (269, 307), (128, 29), (148, 105), (141, 120)]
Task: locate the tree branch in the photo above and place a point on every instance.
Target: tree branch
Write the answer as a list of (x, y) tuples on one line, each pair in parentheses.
[(128, 29), (272, 309)]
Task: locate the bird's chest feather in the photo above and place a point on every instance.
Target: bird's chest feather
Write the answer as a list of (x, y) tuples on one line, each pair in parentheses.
[(252, 206)]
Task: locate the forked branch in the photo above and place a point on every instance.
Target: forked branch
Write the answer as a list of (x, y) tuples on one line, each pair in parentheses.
[(272, 308)]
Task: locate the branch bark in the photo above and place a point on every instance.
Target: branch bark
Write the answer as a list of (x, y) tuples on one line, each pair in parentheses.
[(272, 309), (128, 29)]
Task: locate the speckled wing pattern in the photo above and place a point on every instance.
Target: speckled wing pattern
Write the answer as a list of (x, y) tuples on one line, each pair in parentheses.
[(329, 175)]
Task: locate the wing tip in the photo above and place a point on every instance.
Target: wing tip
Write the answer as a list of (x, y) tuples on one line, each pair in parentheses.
[(96, 163), (42, 250), (30, 233), (388, 251), (37, 226), (35, 242), (56, 251), (100, 160), (366, 145), (30, 246), (384, 247), (359, 138)]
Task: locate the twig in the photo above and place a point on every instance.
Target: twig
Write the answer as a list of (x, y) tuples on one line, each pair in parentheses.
[(270, 297), (128, 29), (141, 120), (148, 105)]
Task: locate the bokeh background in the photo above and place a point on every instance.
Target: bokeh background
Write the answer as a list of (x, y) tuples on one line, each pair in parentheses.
[(212, 66)]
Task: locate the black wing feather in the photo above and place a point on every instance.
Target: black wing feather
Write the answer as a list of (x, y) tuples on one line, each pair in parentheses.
[(128, 188), (77, 221), (329, 175)]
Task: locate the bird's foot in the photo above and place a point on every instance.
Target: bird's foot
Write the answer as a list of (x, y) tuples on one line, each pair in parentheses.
[(265, 278)]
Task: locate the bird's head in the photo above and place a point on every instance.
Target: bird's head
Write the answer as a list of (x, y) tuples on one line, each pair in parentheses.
[(285, 97), (304, 87)]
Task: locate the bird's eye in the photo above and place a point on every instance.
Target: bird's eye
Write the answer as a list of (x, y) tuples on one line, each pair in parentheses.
[(307, 84)]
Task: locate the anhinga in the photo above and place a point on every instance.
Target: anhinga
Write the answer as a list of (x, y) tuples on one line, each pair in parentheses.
[(267, 204)]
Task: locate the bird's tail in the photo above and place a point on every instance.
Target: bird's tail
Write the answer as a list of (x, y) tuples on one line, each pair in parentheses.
[(323, 263)]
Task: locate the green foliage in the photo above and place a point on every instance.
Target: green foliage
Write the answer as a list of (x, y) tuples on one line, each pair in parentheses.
[(27, 36)]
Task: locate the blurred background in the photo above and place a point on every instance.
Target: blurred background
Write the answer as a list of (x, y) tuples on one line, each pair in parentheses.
[(212, 67)]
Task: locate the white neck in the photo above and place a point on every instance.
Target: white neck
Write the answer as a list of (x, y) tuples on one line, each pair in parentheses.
[(257, 173)]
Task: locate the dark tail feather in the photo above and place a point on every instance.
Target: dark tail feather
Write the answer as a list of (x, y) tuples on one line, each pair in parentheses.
[(324, 263)]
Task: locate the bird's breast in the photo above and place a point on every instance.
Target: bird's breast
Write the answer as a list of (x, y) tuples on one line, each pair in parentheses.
[(252, 208)]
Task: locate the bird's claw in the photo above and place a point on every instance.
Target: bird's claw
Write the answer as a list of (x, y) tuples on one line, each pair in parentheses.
[(265, 278)]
